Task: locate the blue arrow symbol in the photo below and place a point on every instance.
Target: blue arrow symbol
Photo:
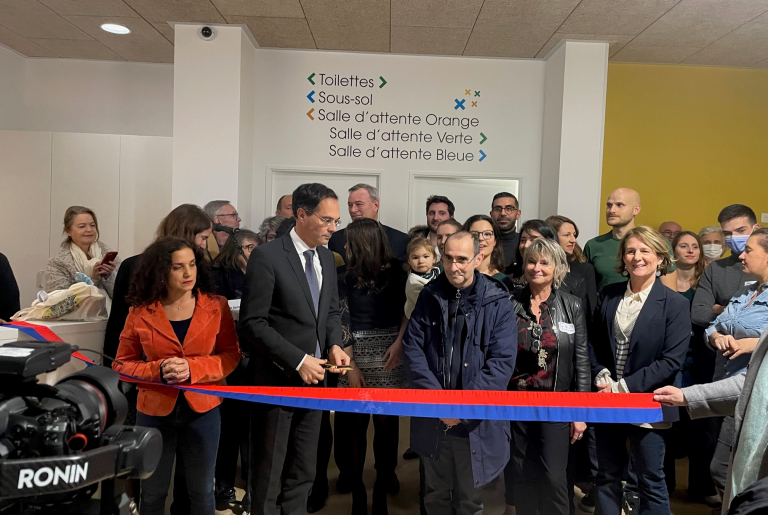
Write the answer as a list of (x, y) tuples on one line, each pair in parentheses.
[(484, 156), (310, 96)]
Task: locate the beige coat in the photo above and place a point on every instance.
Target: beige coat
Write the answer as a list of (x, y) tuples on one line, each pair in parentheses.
[(61, 270)]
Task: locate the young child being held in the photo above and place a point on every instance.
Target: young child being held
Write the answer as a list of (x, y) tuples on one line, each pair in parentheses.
[(423, 267)]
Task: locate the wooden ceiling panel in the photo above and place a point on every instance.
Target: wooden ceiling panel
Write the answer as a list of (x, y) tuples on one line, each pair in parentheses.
[(429, 40), (362, 25), (144, 43), (435, 13)]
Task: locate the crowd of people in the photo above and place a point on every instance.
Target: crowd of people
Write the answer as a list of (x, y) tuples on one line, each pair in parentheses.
[(487, 304)]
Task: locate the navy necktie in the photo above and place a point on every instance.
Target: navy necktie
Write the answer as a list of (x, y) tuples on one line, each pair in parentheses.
[(314, 289)]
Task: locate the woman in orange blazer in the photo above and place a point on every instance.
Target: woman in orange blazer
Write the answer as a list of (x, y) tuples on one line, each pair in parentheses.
[(178, 332)]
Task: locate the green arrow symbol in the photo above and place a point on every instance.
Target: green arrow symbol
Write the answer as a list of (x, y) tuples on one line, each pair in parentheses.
[(383, 82), (310, 79), (484, 138)]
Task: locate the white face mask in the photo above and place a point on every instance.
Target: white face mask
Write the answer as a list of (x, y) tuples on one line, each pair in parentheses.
[(712, 250)]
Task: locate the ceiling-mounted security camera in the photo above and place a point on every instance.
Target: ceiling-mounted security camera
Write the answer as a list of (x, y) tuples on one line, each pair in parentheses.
[(207, 33)]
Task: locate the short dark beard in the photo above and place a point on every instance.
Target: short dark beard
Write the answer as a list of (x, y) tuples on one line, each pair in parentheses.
[(511, 229)]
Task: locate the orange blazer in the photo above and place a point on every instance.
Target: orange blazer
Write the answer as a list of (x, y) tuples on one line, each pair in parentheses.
[(210, 348)]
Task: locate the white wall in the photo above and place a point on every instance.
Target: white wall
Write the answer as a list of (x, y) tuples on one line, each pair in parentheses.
[(125, 179), (25, 205), (574, 119), (11, 77), (69, 95), (510, 111)]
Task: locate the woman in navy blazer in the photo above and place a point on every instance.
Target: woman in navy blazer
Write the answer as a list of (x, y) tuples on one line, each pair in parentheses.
[(639, 340)]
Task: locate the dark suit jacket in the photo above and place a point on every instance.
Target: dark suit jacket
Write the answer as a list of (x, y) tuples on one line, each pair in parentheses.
[(277, 316), (658, 344), (398, 242), (587, 272), (119, 312), (9, 291)]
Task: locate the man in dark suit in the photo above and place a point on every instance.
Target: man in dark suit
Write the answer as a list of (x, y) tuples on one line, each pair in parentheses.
[(291, 319), (363, 202)]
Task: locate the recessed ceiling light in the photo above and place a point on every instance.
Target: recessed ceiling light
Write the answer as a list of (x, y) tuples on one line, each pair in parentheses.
[(115, 29)]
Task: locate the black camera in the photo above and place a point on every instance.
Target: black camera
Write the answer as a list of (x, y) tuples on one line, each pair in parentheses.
[(58, 443), (207, 33)]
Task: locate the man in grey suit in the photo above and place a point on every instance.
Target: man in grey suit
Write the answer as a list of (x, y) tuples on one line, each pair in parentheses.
[(291, 320), (743, 396)]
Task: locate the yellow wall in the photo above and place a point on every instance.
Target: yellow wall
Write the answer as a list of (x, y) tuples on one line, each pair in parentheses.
[(690, 140)]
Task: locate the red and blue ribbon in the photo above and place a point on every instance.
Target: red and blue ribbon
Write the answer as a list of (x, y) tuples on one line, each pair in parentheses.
[(625, 408)]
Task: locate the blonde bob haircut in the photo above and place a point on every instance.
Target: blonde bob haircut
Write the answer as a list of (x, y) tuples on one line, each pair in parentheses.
[(654, 240), (553, 253)]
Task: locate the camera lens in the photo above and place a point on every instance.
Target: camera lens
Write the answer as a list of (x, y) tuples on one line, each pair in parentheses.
[(206, 32)]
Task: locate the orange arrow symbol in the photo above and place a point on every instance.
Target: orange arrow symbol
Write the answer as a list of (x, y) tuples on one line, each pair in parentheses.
[(309, 113)]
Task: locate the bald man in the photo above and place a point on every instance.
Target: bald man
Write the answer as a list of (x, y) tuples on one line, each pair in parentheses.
[(621, 208), (670, 230)]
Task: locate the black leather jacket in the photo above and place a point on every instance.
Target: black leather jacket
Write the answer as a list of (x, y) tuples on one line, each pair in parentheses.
[(573, 371)]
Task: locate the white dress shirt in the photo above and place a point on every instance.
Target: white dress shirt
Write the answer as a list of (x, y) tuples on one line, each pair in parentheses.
[(301, 248)]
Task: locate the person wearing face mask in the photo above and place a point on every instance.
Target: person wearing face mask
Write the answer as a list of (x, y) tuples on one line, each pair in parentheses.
[(719, 283), (739, 331), (712, 243), (724, 277), (734, 334)]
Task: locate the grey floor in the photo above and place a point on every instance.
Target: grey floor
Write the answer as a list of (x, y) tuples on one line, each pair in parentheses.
[(406, 502)]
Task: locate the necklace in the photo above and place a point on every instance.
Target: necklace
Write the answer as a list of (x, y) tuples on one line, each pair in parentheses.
[(178, 308)]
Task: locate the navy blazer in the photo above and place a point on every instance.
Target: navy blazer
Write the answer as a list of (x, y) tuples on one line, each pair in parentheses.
[(659, 339)]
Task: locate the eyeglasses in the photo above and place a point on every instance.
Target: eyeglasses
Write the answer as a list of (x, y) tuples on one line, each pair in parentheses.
[(235, 214), (485, 235), (507, 209), (249, 248), (327, 220), (462, 261)]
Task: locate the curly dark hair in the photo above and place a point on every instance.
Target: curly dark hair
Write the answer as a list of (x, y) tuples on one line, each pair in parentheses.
[(148, 281), (497, 255), (368, 253)]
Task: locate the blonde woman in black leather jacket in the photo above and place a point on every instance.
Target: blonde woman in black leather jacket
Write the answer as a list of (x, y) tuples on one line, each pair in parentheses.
[(552, 355)]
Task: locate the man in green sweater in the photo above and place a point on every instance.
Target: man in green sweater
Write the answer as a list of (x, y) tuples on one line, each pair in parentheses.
[(622, 207)]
